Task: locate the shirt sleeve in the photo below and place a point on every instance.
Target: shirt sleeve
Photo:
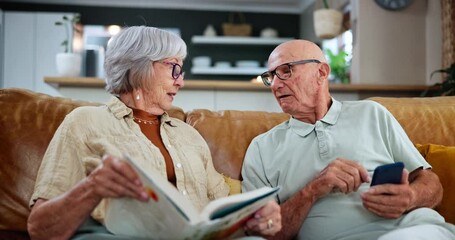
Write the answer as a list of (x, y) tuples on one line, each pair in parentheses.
[(61, 167), (253, 173), (401, 147)]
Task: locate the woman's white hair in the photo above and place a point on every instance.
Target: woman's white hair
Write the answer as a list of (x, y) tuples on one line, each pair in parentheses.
[(130, 53)]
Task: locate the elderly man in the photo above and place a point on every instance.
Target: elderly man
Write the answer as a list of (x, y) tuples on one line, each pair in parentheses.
[(324, 155)]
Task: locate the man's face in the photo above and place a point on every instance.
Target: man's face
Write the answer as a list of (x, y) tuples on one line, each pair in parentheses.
[(299, 92)]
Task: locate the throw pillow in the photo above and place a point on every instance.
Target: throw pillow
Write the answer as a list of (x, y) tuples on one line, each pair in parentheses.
[(442, 160), (235, 186)]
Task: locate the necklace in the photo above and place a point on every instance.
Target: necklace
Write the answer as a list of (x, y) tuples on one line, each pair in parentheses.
[(152, 122)]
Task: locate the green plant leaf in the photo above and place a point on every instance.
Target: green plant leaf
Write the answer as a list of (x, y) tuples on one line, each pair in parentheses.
[(326, 5), (338, 65), (69, 22), (446, 87)]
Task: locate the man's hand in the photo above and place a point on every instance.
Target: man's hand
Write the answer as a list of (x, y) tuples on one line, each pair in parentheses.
[(115, 178), (340, 175), (266, 221), (390, 200)]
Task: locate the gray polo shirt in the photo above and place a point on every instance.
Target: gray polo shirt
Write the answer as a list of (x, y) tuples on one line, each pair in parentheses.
[(293, 153)]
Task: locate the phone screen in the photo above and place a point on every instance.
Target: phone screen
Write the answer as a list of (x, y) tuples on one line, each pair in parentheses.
[(388, 173)]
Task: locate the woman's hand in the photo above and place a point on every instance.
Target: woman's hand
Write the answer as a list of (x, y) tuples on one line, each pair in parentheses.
[(266, 221), (115, 178)]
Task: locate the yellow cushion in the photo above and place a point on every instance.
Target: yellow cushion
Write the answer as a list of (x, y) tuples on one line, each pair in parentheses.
[(235, 186), (442, 159)]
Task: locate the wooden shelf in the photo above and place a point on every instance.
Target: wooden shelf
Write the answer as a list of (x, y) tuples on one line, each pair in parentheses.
[(238, 40), (239, 85)]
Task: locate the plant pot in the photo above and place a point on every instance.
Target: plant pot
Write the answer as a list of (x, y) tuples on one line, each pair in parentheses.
[(68, 64), (327, 23)]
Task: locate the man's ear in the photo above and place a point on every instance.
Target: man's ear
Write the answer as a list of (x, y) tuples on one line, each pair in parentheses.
[(324, 71)]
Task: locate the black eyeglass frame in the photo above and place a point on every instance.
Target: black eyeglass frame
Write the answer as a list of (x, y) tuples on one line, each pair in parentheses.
[(182, 73), (269, 74)]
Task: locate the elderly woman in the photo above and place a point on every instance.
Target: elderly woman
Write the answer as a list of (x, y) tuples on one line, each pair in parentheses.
[(81, 166)]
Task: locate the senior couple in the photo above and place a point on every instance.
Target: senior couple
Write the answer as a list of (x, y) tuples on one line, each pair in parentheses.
[(322, 169)]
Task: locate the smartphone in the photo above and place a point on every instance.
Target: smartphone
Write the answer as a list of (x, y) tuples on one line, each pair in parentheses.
[(388, 173)]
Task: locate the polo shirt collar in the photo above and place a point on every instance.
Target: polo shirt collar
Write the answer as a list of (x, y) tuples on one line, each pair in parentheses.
[(330, 118)]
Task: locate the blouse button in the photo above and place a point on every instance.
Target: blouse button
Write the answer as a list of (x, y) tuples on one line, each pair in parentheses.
[(179, 165), (169, 145), (184, 192)]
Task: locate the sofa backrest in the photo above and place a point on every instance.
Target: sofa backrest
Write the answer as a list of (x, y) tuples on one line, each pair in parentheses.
[(28, 121), (425, 120), (228, 134)]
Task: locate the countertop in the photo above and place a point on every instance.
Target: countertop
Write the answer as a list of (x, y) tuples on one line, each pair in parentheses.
[(93, 82)]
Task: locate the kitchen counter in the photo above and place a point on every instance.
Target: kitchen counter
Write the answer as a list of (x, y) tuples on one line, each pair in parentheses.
[(243, 85)]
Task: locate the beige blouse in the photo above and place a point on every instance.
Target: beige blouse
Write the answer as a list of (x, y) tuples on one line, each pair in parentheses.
[(87, 133)]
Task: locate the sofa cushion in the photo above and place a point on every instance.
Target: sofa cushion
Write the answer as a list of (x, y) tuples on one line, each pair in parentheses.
[(229, 133), (235, 186), (442, 159)]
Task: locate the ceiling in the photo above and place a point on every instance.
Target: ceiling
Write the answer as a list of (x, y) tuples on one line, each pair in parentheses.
[(269, 6)]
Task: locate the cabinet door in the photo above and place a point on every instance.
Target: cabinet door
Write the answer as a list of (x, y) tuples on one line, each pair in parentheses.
[(18, 58), (30, 42)]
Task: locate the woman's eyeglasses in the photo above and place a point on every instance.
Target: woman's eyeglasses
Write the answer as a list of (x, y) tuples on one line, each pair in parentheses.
[(177, 70), (284, 71)]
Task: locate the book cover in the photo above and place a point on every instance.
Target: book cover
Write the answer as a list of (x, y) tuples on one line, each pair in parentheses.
[(169, 215)]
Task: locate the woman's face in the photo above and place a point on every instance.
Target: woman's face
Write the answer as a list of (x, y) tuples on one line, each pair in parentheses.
[(164, 85)]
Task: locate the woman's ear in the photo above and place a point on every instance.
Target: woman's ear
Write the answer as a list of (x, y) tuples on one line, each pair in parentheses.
[(138, 95)]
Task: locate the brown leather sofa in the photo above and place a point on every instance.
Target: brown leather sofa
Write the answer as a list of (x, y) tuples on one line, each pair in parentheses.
[(28, 121)]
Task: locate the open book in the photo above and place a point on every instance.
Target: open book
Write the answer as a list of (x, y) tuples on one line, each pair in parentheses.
[(170, 215)]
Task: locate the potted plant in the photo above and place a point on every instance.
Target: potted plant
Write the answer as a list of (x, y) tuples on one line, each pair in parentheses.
[(446, 87), (69, 63), (327, 22), (339, 66)]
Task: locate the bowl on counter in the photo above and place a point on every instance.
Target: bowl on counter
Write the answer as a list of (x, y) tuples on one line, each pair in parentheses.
[(247, 64), (222, 64), (202, 61)]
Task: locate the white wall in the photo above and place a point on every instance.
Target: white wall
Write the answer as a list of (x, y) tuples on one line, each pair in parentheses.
[(396, 47), (391, 47)]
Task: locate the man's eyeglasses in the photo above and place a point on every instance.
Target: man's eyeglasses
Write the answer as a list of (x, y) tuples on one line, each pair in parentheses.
[(284, 71), (177, 70)]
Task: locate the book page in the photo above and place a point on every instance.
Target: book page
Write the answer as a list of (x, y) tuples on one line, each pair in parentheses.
[(224, 216), (219, 208), (169, 215), (166, 208)]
